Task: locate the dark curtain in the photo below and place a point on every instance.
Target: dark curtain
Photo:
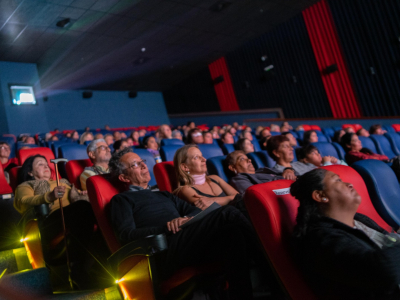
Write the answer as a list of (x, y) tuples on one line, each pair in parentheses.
[(369, 31)]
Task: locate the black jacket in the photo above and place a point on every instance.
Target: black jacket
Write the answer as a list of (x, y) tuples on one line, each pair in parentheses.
[(342, 262)]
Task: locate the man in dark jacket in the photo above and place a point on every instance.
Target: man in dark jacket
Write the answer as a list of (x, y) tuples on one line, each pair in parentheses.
[(223, 235)]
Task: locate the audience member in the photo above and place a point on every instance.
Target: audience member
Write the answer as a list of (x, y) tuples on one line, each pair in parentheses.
[(29, 140), (87, 129), (363, 132), (310, 136), (194, 186), (245, 145), (68, 134), (246, 135), (259, 129), (150, 144), (263, 142), (265, 133), (377, 129), (48, 136), (86, 137), (164, 132), (135, 137), (54, 138), (281, 152), (106, 127), (116, 135), (343, 254), (129, 140), (349, 130), (300, 128), (310, 156), (99, 154), (215, 134), (36, 187), (194, 136), (176, 134), (244, 174), (355, 152), (207, 137), (292, 139), (120, 145), (337, 137), (109, 139), (285, 127), (223, 235), (123, 135), (6, 162), (232, 130), (142, 132), (227, 138), (98, 136), (274, 128), (75, 136), (221, 131)]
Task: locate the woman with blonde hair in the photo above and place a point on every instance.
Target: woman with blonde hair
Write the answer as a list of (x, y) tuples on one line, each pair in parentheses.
[(194, 185)]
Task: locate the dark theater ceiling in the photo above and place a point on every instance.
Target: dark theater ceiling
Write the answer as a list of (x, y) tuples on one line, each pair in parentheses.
[(131, 44)]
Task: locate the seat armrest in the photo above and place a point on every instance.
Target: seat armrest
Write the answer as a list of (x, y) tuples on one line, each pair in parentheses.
[(147, 246), (34, 213)]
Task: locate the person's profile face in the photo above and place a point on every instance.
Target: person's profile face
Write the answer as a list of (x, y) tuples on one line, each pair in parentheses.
[(40, 169), (314, 157), (197, 137), (152, 144), (355, 144), (243, 164), (136, 172), (248, 147), (313, 137), (195, 162), (5, 151), (285, 152), (228, 139), (208, 139)]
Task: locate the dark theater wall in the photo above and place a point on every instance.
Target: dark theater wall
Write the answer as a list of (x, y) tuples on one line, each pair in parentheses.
[(294, 83), (369, 31), (194, 94)]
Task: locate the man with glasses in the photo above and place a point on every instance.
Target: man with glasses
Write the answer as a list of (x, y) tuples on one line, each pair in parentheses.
[(6, 162), (99, 154), (223, 235)]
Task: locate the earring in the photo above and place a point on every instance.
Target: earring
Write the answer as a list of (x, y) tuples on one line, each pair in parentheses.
[(324, 199), (235, 171), (188, 172)]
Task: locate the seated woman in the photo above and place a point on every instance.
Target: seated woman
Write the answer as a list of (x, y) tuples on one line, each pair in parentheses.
[(120, 145), (36, 187), (135, 137), (337, 137), (292, 139), (310, 136), (194, 186), (281, 152), (244, 174), (149, 142), (6, 162), (245, 145), (194, 136), (75, 136), (207, 137), (85, 137), (311, 156), (355, 151), (245, 134), (343, 254), (227, 138)]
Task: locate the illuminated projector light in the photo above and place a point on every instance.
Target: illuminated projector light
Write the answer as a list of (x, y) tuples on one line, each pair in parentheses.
[(119, 280), (23, 240)]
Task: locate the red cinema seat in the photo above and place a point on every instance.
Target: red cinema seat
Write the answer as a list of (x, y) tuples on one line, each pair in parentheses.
[(306, 127), (366, 207), (23, 154), (5, 188), (165, 176), (315, 127), (13, 173), (273, 213), (74, 169), (396, 127), (139, 281)]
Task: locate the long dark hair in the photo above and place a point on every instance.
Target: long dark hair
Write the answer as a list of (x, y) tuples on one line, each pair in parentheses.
[(302, 190), (27, 168)]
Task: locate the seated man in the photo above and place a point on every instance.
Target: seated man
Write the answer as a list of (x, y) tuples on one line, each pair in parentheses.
[(99, 154), (223, 235)]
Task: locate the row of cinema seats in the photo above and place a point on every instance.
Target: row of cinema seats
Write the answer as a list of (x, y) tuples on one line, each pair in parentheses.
[(273, 221)]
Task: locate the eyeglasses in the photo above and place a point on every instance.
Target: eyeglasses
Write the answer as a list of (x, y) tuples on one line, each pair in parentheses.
[(242, 159), (196, 134), (103, 148), (4, 147), (136, 164)]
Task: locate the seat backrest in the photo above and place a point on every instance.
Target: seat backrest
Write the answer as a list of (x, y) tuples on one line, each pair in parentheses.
[(382, 145), (389, 128), (348, 174), (326, 149), (23, 154), (73, 151), (321, 137), (383, 188), (394, 140), (167, 152), (13, 173), (261, 159), (256, 144), (274, 133), (167, 142), (300, 134), (56, 144), (396, 127), (273, 213), (227, 148), (24, 145), (5, 188), (368, 143), (74, 169), (336, 128), (100, 190), (164, 174), (210, 150), (328, 131), (315, 127), (150, 162), (339, 150), (216, 166)]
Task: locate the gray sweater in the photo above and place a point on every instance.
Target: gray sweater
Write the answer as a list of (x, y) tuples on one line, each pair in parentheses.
[(244, 180), (299, 168)]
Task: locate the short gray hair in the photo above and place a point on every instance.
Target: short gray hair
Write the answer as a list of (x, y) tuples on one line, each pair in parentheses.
[(114, 165), (93, 145)]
